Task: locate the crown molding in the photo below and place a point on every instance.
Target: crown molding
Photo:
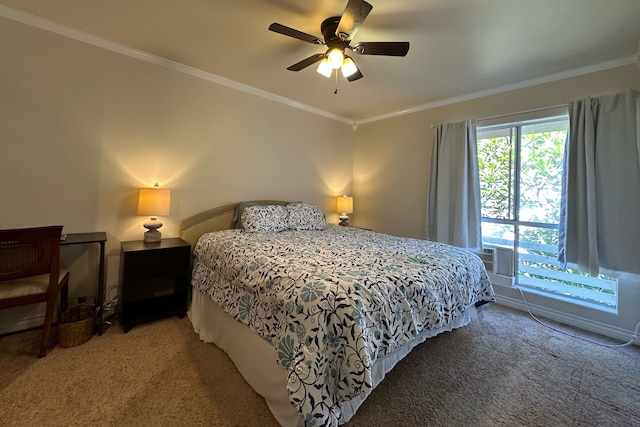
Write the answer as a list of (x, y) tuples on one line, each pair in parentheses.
[(81, 36), (63, 30)]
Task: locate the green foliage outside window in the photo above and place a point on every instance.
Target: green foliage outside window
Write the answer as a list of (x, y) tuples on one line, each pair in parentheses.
[(495, 164)]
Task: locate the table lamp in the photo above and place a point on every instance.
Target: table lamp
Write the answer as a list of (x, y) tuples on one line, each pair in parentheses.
[(344, 206), (154, 202)]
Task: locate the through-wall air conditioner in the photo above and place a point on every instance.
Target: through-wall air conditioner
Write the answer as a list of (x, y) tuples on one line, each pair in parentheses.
[(499, 263)]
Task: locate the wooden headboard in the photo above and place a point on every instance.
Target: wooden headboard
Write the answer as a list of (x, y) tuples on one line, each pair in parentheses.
[(216, 219)]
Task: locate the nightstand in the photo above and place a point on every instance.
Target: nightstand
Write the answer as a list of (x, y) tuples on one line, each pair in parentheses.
[(154, 281)]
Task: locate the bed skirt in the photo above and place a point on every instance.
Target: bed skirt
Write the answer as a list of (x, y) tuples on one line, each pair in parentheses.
[(255, 358)]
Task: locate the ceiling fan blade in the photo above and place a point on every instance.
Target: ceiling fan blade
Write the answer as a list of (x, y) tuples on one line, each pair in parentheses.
[(355, 76), (353, 16), (382, 48), (288, 31), (306, 62)]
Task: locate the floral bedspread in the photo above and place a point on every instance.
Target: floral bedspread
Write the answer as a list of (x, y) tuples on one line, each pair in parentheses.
[(332, 302)]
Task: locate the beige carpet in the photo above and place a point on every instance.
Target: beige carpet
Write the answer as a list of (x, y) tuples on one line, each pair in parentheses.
[(502, 370)]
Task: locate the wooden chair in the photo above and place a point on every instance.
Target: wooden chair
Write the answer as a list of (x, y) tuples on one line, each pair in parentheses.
[(30, 272)]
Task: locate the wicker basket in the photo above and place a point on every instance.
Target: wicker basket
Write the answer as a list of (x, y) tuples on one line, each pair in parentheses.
[(75, 321)]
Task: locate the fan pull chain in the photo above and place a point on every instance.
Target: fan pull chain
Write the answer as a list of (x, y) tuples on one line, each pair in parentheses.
[(335, 90)]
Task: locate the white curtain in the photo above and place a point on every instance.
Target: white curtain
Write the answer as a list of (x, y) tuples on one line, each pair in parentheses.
[(600, 210), (453, 212)]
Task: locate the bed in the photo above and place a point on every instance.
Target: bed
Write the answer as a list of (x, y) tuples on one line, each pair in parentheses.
[(314, 315)]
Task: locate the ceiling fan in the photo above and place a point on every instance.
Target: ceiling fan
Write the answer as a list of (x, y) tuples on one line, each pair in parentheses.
[(338, 32)]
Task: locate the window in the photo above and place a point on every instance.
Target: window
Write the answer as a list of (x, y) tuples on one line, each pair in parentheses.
[(520, 166)]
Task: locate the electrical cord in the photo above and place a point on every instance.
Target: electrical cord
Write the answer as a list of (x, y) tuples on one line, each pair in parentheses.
[(634, 337), (111, 300)]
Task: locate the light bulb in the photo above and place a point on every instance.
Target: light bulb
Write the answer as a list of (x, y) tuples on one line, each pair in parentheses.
[(335, 58)]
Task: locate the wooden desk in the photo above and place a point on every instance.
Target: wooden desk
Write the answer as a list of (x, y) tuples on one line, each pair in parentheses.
[(86, 238)]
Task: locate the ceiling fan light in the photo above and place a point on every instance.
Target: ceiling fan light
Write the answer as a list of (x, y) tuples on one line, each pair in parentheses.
[(336, 58), (349, 67), (324, 68)]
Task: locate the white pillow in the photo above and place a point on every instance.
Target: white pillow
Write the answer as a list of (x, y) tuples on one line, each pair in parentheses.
[(303, 216), (264, 219)]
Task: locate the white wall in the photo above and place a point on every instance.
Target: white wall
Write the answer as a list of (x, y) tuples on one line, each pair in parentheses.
[(83, 128)]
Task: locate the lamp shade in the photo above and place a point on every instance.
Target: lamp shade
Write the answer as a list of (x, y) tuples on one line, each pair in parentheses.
[(344, 204), (154, 201), (349, 67), (324, 68)]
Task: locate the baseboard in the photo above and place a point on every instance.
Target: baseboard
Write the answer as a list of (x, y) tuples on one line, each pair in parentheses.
[(21, 324), (568, 319)]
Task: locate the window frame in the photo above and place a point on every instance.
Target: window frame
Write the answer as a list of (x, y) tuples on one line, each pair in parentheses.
[(514, 130)]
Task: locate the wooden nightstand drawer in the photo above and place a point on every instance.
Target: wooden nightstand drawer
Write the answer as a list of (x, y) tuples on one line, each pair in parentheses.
[(156, 262)]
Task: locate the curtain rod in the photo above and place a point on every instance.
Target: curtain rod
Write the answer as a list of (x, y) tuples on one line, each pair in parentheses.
[(534, 110), (635, 91)]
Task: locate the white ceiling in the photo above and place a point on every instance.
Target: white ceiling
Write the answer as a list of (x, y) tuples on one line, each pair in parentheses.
[(459, 48)]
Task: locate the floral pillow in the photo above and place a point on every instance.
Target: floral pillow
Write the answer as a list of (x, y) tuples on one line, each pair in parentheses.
[(264, 219), (303, 216), (237, 216)]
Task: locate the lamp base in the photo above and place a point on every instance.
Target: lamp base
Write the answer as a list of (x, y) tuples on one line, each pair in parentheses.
[(153, 235), (344, 221)]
